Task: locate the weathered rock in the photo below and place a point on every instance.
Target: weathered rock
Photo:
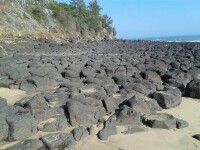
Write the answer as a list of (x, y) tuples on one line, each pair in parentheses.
[(169, 98), (5, 81), (69, 74), (3, 102), (30, 144), (127, 116), (36, 104), (4, 128), (21, 126), (110, 104), (110, 88), (196, 136), (42, 83), (175, 64), (58, 141), (28, 86), (53, 124), (181, 124), (119, 79), (152, 104), (80, 133), (12, 110), (42, 71), (193, 89), (109, 129), (84, 113), (139, 105), (159, 120), (50, 113), (93, 91), (152, 77)]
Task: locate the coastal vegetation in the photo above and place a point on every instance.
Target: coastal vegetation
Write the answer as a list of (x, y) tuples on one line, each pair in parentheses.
[(76, 13)]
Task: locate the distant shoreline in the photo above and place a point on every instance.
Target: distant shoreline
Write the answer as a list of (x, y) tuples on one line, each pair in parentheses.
[(188, 38)]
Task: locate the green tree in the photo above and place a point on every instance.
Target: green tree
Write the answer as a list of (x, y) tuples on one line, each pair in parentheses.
[(107, 24), (107, 21), (94, 7), (79, 4)]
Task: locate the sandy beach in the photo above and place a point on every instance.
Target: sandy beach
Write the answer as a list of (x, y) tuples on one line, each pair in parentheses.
[(155, 139), (12, 95)]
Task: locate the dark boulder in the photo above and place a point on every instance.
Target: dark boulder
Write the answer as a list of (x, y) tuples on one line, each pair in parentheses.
[(109, 129), (127, 116), (58, 141), (152, 77), (175, 64), (30, 144), (139, 105), (84, 113), (196, 136), (93, 91), (80, 133), (4, 129), (70, 74), (193, 89), (21, 126), (35, 104), (168, 98), (47, 113), (53, 124), (5, 81), (181, 124), (163, 121), (110, 104)]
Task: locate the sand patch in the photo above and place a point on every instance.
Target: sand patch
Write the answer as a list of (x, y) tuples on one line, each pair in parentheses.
[(155, 139), (12, 95), (89, 90), (117, 95)]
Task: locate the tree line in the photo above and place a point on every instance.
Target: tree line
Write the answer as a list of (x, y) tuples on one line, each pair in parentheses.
[(85, 18)]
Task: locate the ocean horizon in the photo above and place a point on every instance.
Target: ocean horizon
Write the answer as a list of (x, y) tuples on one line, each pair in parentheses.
[(186, 38)]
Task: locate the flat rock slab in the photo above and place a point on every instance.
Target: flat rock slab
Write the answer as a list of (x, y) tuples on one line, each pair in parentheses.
[(21, 126), (163, 121), (30, 144), (169, 98), (58, 141)]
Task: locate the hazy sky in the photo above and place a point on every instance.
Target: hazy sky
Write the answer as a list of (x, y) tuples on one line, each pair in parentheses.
[(152, 18)]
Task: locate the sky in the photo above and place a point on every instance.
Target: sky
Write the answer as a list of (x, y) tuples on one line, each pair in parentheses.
[(152, 18)]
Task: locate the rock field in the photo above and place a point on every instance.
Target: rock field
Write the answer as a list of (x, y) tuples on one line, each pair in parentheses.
[(78, 84)]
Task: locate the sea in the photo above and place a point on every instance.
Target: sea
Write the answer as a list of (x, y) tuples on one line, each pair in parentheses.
[(187, 38)]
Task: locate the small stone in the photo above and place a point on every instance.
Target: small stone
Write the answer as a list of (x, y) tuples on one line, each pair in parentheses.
[(93, 130)]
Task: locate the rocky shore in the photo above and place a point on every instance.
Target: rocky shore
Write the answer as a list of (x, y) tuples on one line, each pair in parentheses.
[(79, 89)]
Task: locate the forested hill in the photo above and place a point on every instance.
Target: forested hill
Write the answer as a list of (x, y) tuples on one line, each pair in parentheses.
[(48, 18)]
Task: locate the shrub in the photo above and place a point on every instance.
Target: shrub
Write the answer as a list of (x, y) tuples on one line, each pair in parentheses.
[(37, 12)]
